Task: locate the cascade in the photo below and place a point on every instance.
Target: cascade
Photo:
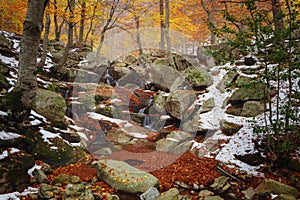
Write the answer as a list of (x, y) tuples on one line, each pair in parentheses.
[(108, 79)]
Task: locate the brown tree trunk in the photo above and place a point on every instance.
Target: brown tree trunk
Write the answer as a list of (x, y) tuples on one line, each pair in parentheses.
[(138, 35), (45, 42), (27, 81), (162, 25), (168, 40), (82, 21), (70, 38), (277, 16)]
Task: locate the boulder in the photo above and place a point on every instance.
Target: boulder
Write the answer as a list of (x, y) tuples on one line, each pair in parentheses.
[(5, 46), (4, 84), (78, 191), (181, 63), (219, 183), (40, 176), (64, 178), (207, 105), (252, 109), (227, 80), (213, 198), (13, 171), (198, 78), (285, 197), (179, 102), (166, 144), (47, 191), (124, 177), (50, 105), (275, 187), (151, 194), (229, 128), (4, 68), (171, 194)]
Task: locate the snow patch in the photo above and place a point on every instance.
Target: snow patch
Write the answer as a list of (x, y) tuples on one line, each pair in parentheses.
[(8, 136)]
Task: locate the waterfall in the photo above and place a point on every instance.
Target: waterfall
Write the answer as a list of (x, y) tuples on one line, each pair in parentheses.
[(108, 79)]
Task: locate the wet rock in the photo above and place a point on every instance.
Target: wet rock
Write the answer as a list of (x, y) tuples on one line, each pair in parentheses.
[(207, 105), (172, 194), (50, 105), (227, 80), (63, 178), (40, 176), (229, 128), (78, 191), (124, 177), (252, 109), (275, 187), (151, 194), (47, 191), (13, 171), (219, 183)]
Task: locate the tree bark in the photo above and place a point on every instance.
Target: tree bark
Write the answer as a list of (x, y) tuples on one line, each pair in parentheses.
[(210, 22), (27, 81), (82, 21), (162, 25), (138, 35), (45, 42), (70, 37), (168, 40), (277, 16)]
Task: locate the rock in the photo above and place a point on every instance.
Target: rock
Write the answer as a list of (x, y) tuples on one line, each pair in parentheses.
[(164, 76), (4, 84), (79, 191), (205, 193), (63, 178), (130, 59), (151, 194), (57, 56), (40, 176), (207, 105), (275, 187), (5, 46), (166, 144), (249, 193), (213, 198), (4, 68), (182, 185), (285, 197), (229, 128), (252, 109), (50, 105), (227, 80), (179, 102), (13, 171), (182, 147), (62, 154), (219, 183), (106, 151), (198, 78), (71, 137), (47, 191), (249, 61), (124, 177), (180, 62), (253, 159), (171, 194), (113, 197)]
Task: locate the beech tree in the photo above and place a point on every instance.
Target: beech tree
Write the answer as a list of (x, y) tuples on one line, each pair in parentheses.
[(27, 81)]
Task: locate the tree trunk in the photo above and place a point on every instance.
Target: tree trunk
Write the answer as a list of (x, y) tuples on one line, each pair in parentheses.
[(168, 40), (162, 25), (138, 35), (82, 21), (277, 16), (91, 24), (70, 37), (27, 81), (45, 42)]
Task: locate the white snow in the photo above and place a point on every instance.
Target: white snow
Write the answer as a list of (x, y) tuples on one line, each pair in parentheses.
[(17, 195), (8, 152), (46, 135), (3, 113), (29, 172), (8, 136)]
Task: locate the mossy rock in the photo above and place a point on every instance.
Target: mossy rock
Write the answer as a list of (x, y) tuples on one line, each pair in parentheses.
[(62, 154), (4, 84), (199, 78), (4, 68)]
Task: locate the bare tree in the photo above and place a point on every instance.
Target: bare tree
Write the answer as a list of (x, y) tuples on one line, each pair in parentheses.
[(162, 25), (58, 27), (27, 81), (210, 21), (45, 42), (167, 23), (82, 20)]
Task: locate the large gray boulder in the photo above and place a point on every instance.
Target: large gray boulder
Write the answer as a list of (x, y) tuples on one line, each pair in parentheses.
[(227, 80), (275, 187), (78, 191), (50, 105), (124, 177), (198, 78), (252, 108)]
